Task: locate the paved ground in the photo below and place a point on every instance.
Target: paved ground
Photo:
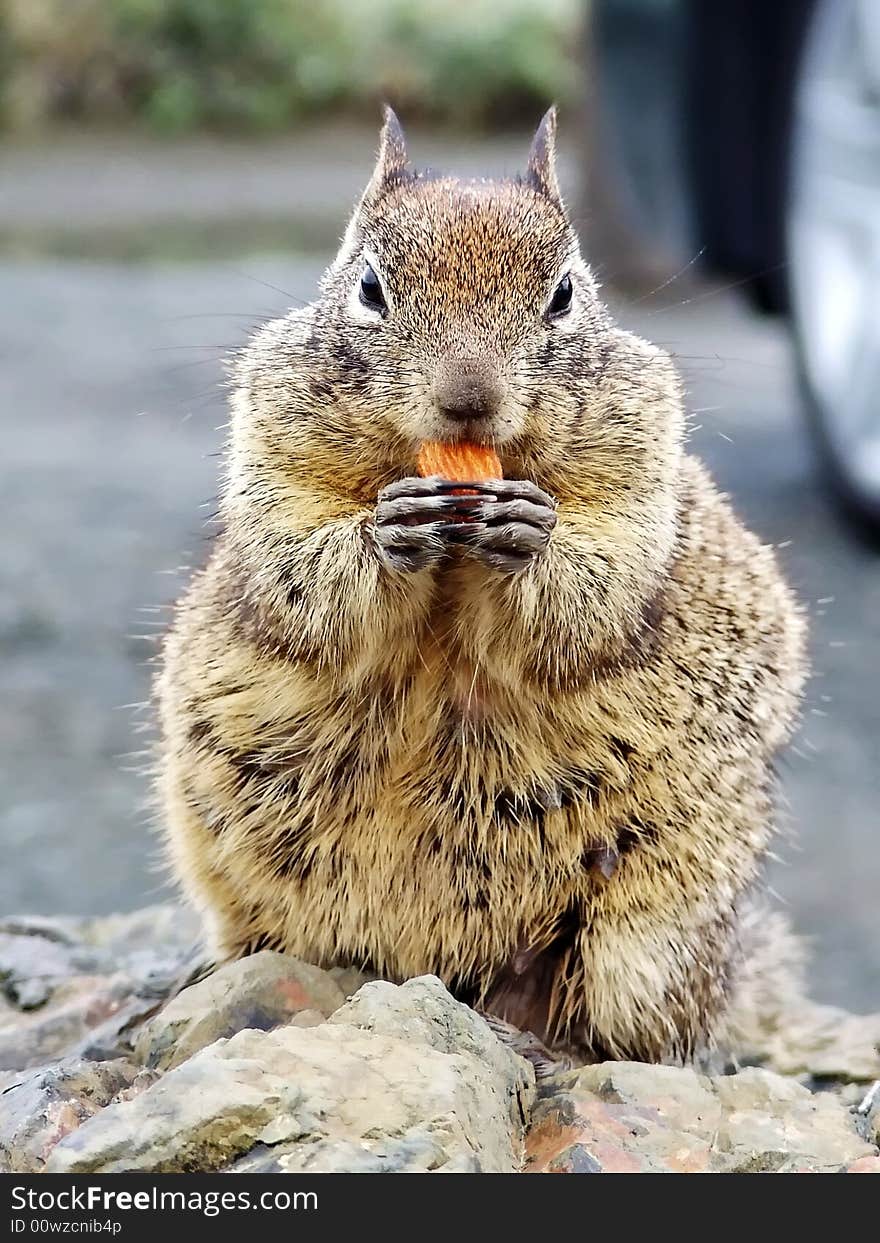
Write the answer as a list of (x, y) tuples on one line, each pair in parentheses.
[(111, 410)]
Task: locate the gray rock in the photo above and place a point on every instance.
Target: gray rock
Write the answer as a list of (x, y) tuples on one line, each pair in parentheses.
[(264, 1066), (139, 940), (822, 1042), (864, 1165), (417, 1150), (331, 1097), (40, 1107), (168, 930), (64, 1027), (632, 1118), (261, 991), (33, 964), (422, 1011), (307, 1018), (79, 987), (866, 1110), (772, 1124), (681, 1096)]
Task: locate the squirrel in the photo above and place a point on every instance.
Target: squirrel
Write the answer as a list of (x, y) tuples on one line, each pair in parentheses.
[(522, 737)]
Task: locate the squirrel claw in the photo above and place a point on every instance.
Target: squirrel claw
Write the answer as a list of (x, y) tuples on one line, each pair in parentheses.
[(544, 1062), (514, 521), (413, 522), (502, 522), (409, 548)]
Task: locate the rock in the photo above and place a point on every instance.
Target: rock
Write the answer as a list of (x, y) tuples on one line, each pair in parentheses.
[(821, 1042), (773, 1124), (400, 1094), (422, 1011), (152, 934), (307, 1018), (87, 1017), (272, 1065), (631, 1118), (78, 987), (42, 1106), (623, 1118), (416, 1151), (31, 967), (867, 1112), (865, 1165), (261, 991), (148, 945)]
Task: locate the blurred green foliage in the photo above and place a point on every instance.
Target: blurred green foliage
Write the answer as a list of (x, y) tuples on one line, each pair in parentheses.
[(261, 64)]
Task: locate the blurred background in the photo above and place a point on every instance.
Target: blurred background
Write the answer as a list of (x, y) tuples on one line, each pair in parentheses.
[(174, 171)]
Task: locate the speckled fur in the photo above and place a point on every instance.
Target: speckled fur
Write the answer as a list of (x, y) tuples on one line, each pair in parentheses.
[(551, 789)]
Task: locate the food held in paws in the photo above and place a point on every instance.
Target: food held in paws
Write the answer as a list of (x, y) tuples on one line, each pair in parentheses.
[(458, 460)]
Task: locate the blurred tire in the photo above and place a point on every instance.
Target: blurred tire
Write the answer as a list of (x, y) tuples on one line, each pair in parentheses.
[(833, 245), (740, 63)]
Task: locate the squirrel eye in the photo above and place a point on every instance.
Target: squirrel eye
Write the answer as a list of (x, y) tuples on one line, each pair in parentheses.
[(371, 291), (561, 300)]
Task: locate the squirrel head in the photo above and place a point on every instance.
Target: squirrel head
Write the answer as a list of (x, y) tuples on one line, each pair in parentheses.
[(458, 309)]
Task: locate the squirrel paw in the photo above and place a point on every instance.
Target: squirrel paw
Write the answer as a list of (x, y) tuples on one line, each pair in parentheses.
[(512, 523), (544, 1061), (416, 519)]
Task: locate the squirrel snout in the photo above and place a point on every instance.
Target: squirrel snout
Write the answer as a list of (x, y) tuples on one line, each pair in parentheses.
[(467, 388)]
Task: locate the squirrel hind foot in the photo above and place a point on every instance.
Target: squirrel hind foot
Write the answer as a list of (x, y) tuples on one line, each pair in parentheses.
[(545, 1062)]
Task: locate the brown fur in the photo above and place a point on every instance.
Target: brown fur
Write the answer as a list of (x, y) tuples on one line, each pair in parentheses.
[(552, 789)]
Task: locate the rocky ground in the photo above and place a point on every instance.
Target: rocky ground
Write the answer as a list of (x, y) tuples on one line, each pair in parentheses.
[(272, 1065)]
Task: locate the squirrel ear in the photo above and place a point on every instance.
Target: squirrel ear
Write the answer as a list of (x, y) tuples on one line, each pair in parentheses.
[(391, 162), (392, 158), (542, 158)]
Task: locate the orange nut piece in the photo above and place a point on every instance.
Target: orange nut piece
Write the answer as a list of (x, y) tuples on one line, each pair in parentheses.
[(458, 460)]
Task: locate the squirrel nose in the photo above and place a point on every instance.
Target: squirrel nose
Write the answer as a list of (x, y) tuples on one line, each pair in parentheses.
[(466, 388)]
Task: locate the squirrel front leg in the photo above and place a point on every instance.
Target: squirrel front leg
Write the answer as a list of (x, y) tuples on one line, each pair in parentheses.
[(358, 586), (564, 593), (329, 594)]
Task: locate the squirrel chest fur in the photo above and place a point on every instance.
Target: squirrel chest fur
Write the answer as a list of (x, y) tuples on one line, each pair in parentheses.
[(521, 738)]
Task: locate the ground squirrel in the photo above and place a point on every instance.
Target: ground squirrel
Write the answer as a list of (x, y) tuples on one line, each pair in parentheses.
[(521, 739)]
